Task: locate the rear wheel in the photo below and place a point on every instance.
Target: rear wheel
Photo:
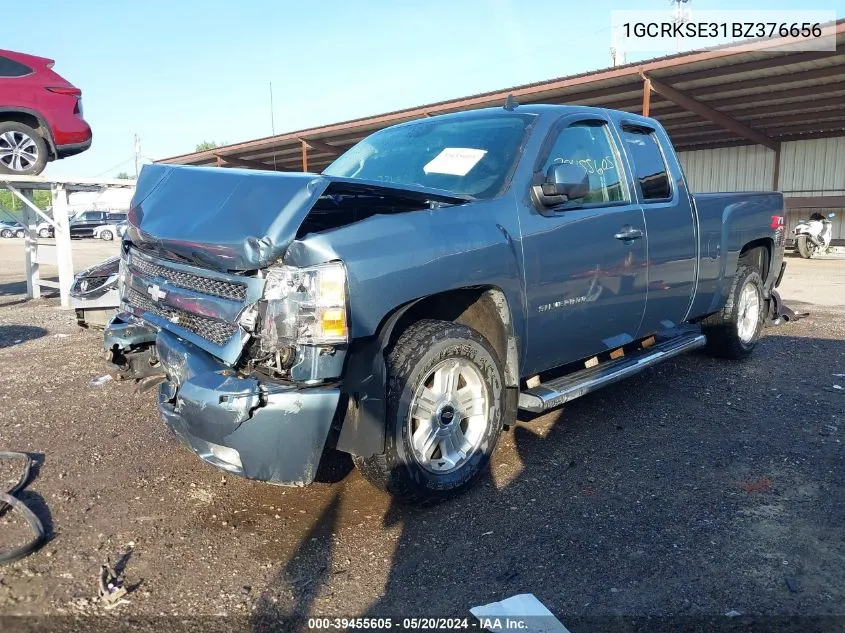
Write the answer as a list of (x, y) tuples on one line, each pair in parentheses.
[(733, 332), (6, 233), (106, 235), (20, 233), (806, 248), (22, 150), (445, 402)]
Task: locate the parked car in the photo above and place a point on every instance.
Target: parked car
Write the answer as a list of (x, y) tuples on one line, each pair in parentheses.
[(44, 229), (108, 232), (12, 229), (94, 294), (40, 115), (437, 277), (83, 224)]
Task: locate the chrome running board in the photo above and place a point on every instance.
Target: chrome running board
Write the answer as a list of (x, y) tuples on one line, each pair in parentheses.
[(561, 390)]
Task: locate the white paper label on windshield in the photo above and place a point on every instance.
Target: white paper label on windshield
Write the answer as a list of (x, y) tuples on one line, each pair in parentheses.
[(455, 161)]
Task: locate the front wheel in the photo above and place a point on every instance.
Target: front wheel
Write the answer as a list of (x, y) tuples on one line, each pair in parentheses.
[(106, 235), (806, 248), (44, 233), (733, 332), (444, 414), (6, 233), (20, 233)]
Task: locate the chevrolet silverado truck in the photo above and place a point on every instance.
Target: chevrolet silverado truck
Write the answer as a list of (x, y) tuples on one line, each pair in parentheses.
[(439, 276)]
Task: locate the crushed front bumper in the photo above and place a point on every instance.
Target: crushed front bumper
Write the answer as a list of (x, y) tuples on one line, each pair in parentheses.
[(257, 429)]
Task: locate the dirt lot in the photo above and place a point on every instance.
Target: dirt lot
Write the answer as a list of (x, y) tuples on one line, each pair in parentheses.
[(697, 488)]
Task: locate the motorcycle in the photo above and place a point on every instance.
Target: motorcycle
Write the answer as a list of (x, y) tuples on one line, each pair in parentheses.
[(813, 236)]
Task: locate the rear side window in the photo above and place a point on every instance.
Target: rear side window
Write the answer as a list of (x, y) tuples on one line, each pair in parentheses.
[(11, 68), (648, 164), (116, 217)]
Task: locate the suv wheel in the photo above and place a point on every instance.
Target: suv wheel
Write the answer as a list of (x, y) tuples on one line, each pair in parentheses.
[(22, 150), (106, 235), (445, 403)]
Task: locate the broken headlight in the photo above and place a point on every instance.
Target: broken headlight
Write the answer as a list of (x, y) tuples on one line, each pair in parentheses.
[(304, 306)]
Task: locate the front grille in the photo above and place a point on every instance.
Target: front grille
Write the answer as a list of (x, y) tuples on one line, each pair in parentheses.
[(204, 285), (83, 285), (218, 332)]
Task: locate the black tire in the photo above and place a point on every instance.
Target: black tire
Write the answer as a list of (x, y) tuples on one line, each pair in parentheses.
[(805, 247), (20, 233), (723, 328), (420, 348), (6, 233), (106, 235), (35, 164)]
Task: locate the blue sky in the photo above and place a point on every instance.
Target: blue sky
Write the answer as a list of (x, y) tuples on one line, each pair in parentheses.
[(178, 72)]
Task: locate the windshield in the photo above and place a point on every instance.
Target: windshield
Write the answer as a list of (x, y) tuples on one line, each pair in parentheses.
[(465, 155)]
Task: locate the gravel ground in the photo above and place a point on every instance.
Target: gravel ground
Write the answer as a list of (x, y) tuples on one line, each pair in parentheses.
[(694, 489)]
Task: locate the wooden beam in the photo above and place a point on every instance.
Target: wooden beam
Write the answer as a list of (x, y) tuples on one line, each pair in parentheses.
[(814, 202), (322, 147), (646, 96), (304, 155), (719, 118), (240, 162)]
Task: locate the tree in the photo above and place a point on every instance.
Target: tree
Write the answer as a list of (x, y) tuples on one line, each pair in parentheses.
[(10, 202), (206, 145), (123, 176)]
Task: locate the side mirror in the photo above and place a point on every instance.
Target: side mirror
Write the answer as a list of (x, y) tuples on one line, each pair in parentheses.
[(564, 181)]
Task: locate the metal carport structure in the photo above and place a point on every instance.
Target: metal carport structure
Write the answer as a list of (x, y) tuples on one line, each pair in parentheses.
[(735, 95)]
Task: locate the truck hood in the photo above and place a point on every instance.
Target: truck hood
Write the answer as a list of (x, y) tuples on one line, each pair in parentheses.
[(240, 219)]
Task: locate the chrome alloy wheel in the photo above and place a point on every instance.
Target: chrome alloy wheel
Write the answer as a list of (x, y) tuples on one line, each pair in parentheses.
[(748, 311), (448, 416), (18, 151)]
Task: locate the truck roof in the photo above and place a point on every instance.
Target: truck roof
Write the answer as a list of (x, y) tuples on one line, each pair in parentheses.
[(546, 110)]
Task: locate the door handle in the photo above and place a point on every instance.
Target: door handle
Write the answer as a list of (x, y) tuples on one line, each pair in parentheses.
[(628, 233)]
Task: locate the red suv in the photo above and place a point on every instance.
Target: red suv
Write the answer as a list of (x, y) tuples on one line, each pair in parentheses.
[(40, 115)]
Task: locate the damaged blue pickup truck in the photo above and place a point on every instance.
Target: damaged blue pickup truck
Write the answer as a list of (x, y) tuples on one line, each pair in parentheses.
[(439, 276)]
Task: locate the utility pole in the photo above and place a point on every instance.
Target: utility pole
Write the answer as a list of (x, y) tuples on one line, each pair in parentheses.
[(681, 13), (137, 154), (617, 53)]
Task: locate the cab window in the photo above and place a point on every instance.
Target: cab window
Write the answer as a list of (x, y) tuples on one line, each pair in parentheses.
[(648, 164), (590, 146)]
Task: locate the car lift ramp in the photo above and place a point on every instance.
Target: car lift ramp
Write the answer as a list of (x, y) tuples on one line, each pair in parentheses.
[(58, 254)]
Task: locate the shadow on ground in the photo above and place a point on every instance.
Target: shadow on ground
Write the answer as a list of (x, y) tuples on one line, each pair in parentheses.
[(695, 488), (11, 335)]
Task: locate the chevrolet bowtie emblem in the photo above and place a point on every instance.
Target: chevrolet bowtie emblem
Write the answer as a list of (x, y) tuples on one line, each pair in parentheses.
[(156, 292)]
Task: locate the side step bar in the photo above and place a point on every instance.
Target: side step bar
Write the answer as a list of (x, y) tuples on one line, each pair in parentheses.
[(560, 390)]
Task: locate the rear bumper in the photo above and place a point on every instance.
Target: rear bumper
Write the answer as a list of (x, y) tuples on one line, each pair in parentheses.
[(239, 423), (71, 149)]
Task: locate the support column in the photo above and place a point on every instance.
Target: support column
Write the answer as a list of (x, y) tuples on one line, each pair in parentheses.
[(304, 156), (30, 220), (646, 96), (64, 256)]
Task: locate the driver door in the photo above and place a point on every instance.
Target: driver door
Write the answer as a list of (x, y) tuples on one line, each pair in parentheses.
[(585, 259)]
